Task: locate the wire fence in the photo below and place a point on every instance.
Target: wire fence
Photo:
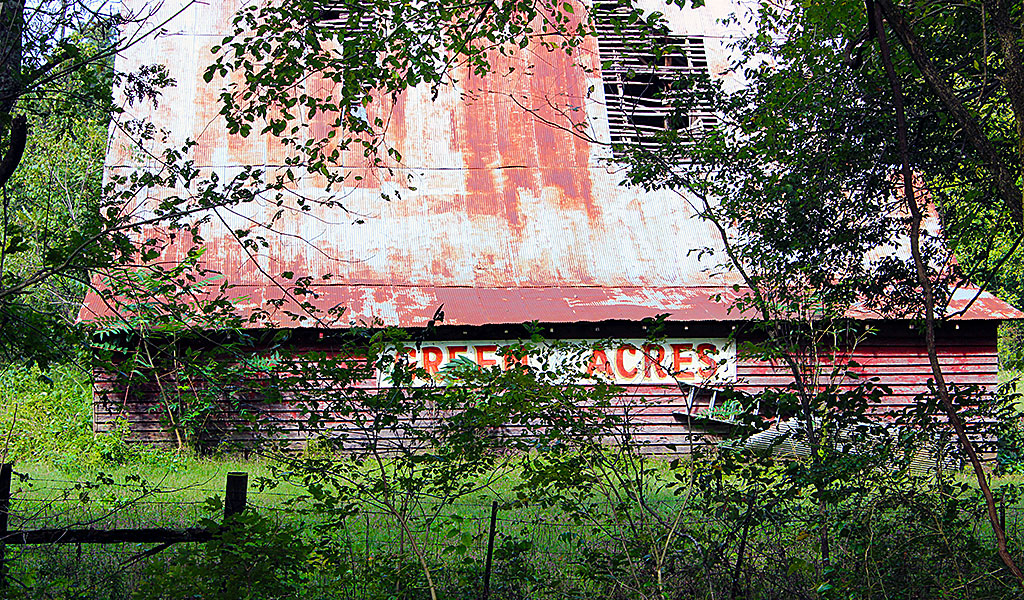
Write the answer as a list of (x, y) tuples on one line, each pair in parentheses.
[(376, 541)]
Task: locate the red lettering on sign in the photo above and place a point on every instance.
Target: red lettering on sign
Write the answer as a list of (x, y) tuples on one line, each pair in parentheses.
[(481, 358), (454, 351), (599, 364), (654, 354), (702, 355), (510, 358), (679, 360), (432, 358), (620, 362)]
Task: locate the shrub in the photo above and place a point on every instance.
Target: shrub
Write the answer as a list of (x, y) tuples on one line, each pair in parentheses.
[(47, 417), (248, 558), (1011, 345)]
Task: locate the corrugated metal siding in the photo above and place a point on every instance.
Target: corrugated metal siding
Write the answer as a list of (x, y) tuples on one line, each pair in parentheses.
[(505, 197), (514, 216), (414, 306)]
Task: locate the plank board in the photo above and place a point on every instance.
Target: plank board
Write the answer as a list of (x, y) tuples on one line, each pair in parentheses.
[(656, 412)]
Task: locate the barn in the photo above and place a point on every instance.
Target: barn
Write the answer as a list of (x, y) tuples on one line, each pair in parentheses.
[(495, 211)]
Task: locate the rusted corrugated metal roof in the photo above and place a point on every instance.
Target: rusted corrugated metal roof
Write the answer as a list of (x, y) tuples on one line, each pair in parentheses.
[(407, 306), (414, 306), (502, 214)]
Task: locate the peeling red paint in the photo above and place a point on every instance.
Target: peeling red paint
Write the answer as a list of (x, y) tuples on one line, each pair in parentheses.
[(483, 162), (514, 216), (559, 89), (407, 306)]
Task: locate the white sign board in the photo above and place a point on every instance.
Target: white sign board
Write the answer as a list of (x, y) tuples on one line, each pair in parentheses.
[(624, 362)]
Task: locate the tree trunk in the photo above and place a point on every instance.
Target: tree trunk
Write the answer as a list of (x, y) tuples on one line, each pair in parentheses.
[(928, 294), (12, 14)]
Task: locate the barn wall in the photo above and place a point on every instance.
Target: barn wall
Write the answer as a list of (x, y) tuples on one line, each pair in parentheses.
[(899, 362), (896, 357)]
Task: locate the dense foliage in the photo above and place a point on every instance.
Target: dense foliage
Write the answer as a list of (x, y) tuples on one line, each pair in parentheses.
[(407, 516), (801, 178)]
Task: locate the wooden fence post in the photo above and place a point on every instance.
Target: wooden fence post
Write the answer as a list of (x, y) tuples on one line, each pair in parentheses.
[(235, 493), (5, 507), (490, 549), (1002, 509)]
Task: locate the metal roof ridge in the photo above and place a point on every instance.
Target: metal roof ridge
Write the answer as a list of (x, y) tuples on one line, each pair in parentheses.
[(509, 287)]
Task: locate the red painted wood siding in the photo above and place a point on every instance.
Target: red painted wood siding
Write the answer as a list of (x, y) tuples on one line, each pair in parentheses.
[(659, 411)]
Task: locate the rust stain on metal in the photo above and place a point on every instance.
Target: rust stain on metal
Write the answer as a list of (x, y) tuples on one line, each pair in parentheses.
[(486, 194), (503, 215), (559, 89), (413, 306)]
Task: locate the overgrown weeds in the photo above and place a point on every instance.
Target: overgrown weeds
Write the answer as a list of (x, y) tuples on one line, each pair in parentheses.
[(47, 417), (579, 517)]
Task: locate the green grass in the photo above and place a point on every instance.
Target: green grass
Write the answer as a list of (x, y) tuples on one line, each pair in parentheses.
[(70, 478), (176, 491)]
